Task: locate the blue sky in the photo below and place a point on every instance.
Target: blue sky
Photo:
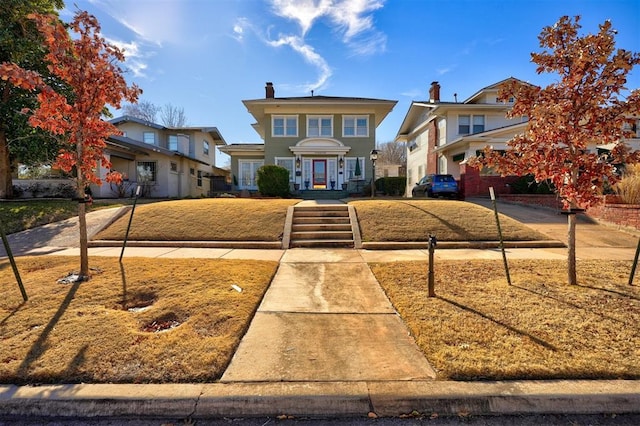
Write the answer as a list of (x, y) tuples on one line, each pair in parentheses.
[(208, 55)]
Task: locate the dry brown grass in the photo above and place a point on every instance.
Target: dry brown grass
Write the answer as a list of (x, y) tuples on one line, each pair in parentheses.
[(219, 219), (478, 327), (414, 220), (628, 188), (86, 332)]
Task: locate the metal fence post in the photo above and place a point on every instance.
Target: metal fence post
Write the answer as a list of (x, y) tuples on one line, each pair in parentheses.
[(432, 247), (13, 263)]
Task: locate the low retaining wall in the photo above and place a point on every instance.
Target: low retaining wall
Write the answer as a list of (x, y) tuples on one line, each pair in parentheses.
[(538, 200), (610, 210)]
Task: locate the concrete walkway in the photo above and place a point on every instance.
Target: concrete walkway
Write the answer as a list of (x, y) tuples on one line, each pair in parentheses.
[(325, 318)]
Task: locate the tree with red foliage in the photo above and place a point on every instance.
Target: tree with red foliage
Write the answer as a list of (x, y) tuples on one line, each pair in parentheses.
[(583, 109), (88, 64)]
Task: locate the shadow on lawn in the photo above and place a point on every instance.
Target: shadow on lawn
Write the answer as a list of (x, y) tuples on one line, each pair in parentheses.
[(457, 229), (508, 327), (575, 305), (39, 347)]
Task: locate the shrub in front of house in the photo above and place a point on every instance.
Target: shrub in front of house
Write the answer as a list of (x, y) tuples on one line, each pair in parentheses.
[(527, 185), (273, 181), (628, 188), (395, 185)]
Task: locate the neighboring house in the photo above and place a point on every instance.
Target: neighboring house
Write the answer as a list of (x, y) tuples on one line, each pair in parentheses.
[(442, 136), (164, 161), (323, 141)]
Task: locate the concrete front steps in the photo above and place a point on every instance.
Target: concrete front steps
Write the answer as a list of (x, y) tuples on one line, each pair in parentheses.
[(320, 225)]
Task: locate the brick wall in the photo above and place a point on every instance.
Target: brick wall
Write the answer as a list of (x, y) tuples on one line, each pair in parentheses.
[(620, 214), (473, 185), (540, 200)]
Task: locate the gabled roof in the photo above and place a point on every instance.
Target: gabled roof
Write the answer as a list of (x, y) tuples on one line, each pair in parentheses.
[(259, 108), (417, 108), (493, 88), (141, 148), (213, 131)]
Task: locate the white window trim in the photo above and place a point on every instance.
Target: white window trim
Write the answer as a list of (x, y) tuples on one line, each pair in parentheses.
[(206, 148), (284, 117), (471, 123), (255, 165), (355, 129), (292, 171), (320, 118)]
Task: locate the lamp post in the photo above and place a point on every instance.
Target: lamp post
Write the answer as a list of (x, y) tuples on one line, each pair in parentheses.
[(373, 157)]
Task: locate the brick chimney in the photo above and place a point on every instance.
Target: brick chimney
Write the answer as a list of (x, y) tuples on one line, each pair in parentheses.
[(434, 92), (270, 91)]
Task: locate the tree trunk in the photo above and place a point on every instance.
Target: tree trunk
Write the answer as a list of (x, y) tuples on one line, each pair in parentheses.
[(84, 249), (6, 182), (571, 258)]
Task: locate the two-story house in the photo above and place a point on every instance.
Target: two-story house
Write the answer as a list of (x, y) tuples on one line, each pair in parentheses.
[(165, 161), (441, 136), (323, 141)]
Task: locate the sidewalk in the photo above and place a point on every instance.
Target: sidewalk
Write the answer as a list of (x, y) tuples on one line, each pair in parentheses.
[(326, 342)]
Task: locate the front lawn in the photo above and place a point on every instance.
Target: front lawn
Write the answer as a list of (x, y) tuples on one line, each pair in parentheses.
[(151, 320), (414, 220), (209, 219), (479, 328)]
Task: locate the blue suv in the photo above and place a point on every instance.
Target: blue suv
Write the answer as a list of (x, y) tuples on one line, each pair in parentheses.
[(436, 185)]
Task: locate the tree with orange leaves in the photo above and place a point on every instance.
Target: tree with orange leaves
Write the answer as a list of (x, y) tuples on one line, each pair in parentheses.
[(89, 65), (585, 108)]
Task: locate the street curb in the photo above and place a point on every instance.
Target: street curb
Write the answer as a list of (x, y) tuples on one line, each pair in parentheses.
[(399, 245), (300, 399)]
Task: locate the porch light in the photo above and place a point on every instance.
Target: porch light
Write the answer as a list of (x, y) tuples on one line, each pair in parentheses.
[(297, 162), (373, 156), (341, 162)]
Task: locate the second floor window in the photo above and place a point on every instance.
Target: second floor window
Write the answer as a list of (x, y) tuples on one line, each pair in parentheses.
[(284, 125), (173, 143), (205, 147), (355, 125), (468, 124), (149, 137), (319, 126)]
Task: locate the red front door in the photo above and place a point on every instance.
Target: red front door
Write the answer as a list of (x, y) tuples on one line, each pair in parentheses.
[(320, 174)]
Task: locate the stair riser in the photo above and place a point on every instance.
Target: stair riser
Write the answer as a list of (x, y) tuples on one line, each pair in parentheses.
[(320, 214), (321, 228), (320, 220), (317, 244), (336, 235)]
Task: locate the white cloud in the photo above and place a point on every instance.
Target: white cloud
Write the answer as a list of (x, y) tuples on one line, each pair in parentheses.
[(150, 21), (310, 56), (351, 18), (135, 57)]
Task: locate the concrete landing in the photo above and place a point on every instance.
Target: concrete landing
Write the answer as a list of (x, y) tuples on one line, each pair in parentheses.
[(323, 322)]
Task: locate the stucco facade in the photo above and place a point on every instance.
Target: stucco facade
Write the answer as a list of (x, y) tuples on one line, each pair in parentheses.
[(323, 141), (165, 162)]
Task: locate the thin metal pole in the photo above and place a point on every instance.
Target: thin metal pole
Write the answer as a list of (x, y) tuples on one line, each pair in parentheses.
[(432, 247), (126, 236), (13, 263), (373, 179), (635, 263), (504, 254)]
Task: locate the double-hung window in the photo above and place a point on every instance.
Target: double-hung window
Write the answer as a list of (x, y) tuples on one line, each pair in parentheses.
[(205, 147), (173, 142), (468, 124), (355, 126), (284, 125), (320, 126), (352, 169)]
